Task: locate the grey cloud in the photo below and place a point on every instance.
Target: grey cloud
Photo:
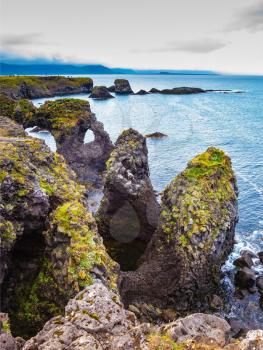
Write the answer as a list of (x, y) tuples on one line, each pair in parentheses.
[(14, 40), (250, 18), (205, 45)]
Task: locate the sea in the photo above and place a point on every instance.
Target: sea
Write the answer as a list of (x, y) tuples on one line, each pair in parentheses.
[(231, 121)]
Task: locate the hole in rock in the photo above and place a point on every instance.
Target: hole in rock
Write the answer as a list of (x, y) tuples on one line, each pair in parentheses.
[(124, 244), (89, 136), (25, 261)]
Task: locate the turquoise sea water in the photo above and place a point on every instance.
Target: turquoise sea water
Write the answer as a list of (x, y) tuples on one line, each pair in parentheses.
[(231, 121)]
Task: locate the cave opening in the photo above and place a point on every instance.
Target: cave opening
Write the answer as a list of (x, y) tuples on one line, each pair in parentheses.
[(25, 261)]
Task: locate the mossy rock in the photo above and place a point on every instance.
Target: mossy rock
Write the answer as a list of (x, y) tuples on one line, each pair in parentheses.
[(18, 87), (40, 196)]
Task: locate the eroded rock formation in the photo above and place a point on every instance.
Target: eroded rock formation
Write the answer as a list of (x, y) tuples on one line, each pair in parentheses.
[(68, 120), (100, 93), (28, 87), (181, 265), (122, 86), (129, 211), (50, 248)]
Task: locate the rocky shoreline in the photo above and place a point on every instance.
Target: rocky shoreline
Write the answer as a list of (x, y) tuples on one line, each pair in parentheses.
[(139, 274)]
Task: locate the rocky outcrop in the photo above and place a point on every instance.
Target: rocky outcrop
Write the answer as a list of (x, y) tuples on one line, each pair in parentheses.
[(122, 86), (100, 92), (181, 265), (28, 87), (50, 248), (68, 120), (96, 319), (9, 128), (182, 91), (156, 135), (142, 92), (178, 91), (129, 211)]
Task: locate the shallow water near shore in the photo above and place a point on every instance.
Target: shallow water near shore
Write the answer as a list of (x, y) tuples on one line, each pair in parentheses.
[(231, 121)]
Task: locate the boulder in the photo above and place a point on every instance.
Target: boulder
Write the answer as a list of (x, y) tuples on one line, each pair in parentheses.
[(122, 86), (197, 326), (245, 278), (244, 261), (253, 340), (100, 92), (181, 265), (50, 247), (156, 135), (129, 211), (94, 319)]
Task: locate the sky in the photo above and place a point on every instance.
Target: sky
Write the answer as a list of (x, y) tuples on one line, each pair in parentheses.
[(224, 36)]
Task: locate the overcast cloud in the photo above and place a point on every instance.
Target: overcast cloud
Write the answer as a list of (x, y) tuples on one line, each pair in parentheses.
[(250, 18), (224, 35)]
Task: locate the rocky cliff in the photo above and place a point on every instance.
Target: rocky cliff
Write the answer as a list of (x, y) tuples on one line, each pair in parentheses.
[(29, 87), (50, 248), (181, 265), (128, 214), (68, 121)]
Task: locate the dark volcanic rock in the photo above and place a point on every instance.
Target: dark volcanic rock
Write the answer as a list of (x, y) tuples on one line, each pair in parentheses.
[(111, 88), (68, 120), (142, 92), (122, 86), (129, 210), (156, 135), (181, 265), (35, 87), (245, 278), (50, 247), (259, 283), (154, 91), (260, 255), (182, 91), (100, 92), (244, 261)]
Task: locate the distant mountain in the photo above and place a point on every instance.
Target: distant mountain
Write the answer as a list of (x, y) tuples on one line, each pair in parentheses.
[(64, 69), (35, 69)]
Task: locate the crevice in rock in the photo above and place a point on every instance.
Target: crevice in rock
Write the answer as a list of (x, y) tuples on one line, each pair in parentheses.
[(25, 261)]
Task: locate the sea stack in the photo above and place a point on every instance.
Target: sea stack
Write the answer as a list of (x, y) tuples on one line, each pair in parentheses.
[(181, 265)]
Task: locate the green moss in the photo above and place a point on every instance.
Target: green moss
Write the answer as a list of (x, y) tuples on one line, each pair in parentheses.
[(8, 234), (6, 326), (43, 83), (64, 113), (163, 342), (7, 105), (207, 186)]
